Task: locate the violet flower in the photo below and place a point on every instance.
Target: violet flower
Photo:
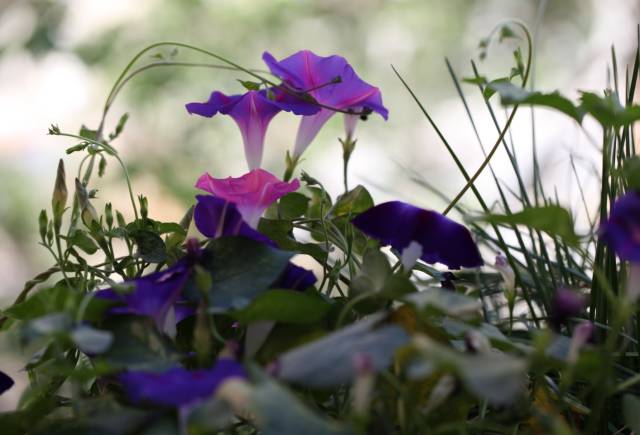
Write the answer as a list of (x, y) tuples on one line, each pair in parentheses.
[(566, 303), (156, 295), (295, 278), (179, 387), (5, 382), (622, 230), (215, 217), (403, 226), (252, 112), (332, 82), (252, 193)]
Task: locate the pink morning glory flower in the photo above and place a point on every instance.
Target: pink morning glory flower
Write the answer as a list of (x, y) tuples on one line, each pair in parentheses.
[(252, 112), (332, 82), (252, 193)]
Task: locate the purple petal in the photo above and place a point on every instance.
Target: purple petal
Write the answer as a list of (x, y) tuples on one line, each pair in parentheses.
[(295, 278), (566, 303), (308, 130), (290, 102), (443, 241), (622, 230), (152, 295), (5, 382), (177, 386), (217, 103), (307, 71), (215, 217)]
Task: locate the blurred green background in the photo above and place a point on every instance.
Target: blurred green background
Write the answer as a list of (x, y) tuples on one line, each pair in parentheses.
[(59, 58)]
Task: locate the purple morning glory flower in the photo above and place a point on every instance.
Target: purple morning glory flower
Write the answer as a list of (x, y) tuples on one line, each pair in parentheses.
[(178, 387), (155, 295), (565, 304), (333, 83), (5, 382), (252, 112), (434, 237), (295, 278), (622, 230), (216, 217)]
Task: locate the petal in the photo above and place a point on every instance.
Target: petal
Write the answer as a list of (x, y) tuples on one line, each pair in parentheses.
[(308, 129), (252, 193), (153, 295), (177, 386), (5, 382), (443, 241), (218, 102), (215, 217), (252, 113), (290, 102), (295, 278), (622, 230)]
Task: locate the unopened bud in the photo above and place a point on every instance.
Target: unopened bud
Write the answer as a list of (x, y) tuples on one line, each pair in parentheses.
[(566, 303), (476, 342), (364, 383), (144, 206), (507, 273), (89, 214), (581, 336), (43, 222), (194, 252), (108, 214), (59, 197)]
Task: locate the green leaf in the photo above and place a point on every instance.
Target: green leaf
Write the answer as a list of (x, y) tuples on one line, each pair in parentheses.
[(284, 306), (608, 110), (280, 412), (489, 89), (373, 274), (511, 94), (353, 202), (631, 172), (631, 409), (241, 269), (151, 247), (120, 127), (552, 219), (449, 302), (328, 362), (82, 240), (249, 85), (90, 340), (86, 132), (293, 205), (43, 302), (170, 227)]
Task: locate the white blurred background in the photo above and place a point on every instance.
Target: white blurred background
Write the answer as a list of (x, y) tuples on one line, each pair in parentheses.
[(58, 59)]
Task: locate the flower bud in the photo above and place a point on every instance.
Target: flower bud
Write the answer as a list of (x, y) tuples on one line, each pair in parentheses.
[(89, 214), (43, 222), (362, 391), (566, 303), (508, 275), (59, 197), (581, 336)]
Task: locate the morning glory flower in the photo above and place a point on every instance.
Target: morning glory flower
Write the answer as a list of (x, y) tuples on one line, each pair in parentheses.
[(5, 382), (622, 230), (252, 112), (179, 387), (295, 278), (252, 193), (441, 240), (332, 82), (566, 303), (156, 295), (216, 217)]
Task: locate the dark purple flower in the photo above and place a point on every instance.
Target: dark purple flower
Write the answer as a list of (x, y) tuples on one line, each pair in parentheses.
[(622, 230), (332, 82), (178, 387), (5, 382), (155, 295), (252, 112), (565, 304), (216, 217), (295, 278), (441, 240)]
